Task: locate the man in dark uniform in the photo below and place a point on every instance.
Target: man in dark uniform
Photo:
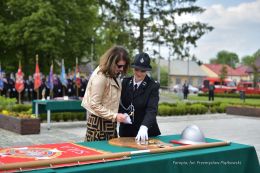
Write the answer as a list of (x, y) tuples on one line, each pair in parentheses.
[(11, 86), (139, 99), (211, 91), (83, 87), (44, 90), (30, 88), (57, 89), (185, 89), (70, 91), (5, 85)]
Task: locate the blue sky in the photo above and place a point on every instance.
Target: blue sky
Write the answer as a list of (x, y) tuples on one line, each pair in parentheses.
[(236, 28), (226, 3)]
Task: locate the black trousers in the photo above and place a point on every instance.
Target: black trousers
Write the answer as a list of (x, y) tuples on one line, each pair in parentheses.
[(211, 95)]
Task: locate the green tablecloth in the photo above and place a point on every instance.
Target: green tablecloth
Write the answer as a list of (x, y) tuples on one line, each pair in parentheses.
[(58, 106), (236, 158)]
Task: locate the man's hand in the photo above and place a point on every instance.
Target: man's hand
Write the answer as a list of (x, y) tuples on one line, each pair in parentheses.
[(142, 134)]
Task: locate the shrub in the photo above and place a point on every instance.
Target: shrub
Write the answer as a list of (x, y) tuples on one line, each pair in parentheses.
[(65, 117), (212, 109), (181, 109), (164, 110), (6, 103), (43, 116), (222, 107), (21, 108), (81, 116), (232, 95)]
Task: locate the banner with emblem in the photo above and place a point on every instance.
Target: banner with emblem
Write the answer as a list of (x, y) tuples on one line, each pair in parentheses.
[(63, 77), (77, 73), (37, 75), (50, 78), (44, 152), (19, 82)]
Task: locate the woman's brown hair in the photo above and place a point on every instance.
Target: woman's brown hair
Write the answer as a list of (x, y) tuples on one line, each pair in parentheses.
[(111, 57)]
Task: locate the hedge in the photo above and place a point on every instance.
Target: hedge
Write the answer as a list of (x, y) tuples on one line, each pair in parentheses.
[(232, 95), (180, 108), (65, 116)]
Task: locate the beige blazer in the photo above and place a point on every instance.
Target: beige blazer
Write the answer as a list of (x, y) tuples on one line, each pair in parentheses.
[(102, 96)]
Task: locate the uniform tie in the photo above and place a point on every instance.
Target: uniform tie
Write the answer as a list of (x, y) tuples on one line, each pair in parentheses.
[(135, 87)]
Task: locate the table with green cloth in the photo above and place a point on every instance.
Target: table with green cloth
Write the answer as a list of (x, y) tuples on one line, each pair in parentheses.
[(48, 106), (234, 158)]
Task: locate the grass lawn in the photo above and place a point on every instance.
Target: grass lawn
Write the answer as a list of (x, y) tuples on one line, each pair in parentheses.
[(194, 97)]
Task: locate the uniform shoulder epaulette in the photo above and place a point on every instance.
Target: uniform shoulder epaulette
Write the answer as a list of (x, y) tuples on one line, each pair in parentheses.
[(156, 82)]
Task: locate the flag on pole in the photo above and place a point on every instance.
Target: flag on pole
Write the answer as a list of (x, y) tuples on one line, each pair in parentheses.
[(50, 78), (19, 83), (1, 79), (77, 73), (37, 76), (63, 77)]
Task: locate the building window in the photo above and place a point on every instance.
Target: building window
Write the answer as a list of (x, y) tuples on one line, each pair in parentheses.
[(178, 80)]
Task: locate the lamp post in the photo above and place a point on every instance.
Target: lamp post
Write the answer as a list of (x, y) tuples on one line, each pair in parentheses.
[(188, 71), (169, 68), (159, 57), (158, 66)]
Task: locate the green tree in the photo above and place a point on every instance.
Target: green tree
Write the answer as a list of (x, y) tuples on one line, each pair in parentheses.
[(225, 57), (251, 62), (155, 22), (223, 74), (164, 77), (52, 29), (248, 60), (115, 26)]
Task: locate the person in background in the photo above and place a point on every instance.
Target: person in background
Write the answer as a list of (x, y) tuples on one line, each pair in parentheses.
[(211, 91), (185, 89), (70, 90), (83, 86), (102, 95), (139, 99)]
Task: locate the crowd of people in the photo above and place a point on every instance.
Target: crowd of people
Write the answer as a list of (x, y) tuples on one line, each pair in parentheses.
[(29, 93)]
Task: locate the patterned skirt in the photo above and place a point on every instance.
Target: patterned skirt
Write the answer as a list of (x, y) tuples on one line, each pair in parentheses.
[(100, 129)]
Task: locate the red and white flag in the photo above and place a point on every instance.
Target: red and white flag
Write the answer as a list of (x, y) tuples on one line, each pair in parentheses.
[(78, 80), (37, 76), (19, 82)]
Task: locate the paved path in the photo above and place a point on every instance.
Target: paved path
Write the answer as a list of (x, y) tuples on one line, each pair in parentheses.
[(240, 129)]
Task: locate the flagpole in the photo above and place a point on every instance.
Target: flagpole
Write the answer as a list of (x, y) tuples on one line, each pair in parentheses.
[(63, 88), (37, 91), (19, 93), (51, 91), (1, 76), (127, 154), (77, 92)]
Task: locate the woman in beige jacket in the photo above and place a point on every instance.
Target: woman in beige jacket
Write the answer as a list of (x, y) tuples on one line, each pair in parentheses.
[(103, 93)]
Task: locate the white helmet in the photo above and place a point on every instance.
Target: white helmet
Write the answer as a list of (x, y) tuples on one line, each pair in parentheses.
[(192, 135)]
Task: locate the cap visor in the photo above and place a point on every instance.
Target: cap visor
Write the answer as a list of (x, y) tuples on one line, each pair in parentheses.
[(141, 68)]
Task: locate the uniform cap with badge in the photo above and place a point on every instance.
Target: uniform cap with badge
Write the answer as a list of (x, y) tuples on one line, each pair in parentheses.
[(142, 62)]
